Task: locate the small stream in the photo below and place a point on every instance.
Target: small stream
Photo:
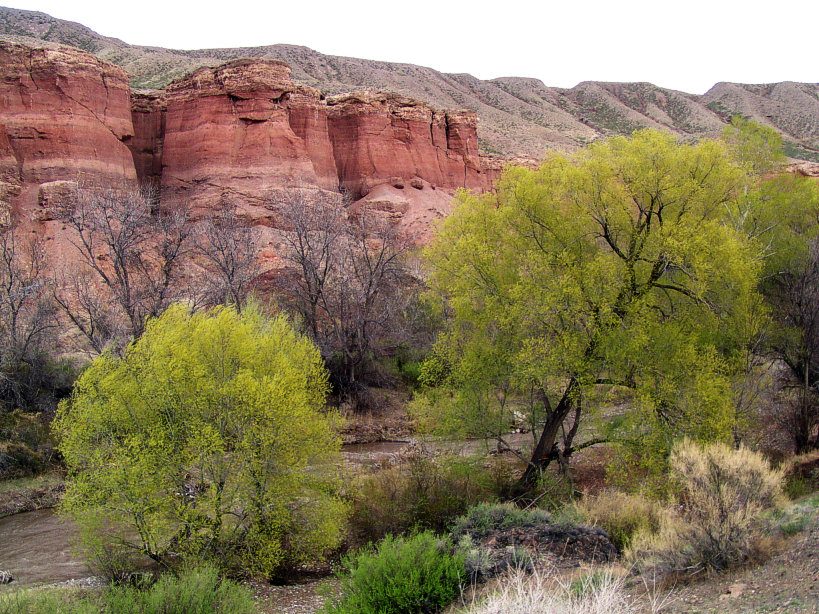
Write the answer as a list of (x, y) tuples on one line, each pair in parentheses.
[(37, 547)]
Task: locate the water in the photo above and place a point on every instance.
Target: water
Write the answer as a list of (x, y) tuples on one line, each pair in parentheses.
[(38, 547), (372, 454)]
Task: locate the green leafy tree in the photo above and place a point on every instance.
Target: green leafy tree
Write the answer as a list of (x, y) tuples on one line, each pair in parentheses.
[(791, 289), (207, 438), (616, 266), (781, 211), (754, 147)]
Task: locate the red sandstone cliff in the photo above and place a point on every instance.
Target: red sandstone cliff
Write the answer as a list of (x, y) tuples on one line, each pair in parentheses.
[(380, 136), (246, 131), (242, 130), (64, 115), (228, 130)]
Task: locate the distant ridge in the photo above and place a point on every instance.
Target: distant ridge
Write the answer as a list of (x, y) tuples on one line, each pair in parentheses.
[(518, 116)]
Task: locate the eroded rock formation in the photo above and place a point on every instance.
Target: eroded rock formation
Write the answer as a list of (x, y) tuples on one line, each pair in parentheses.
[(245, 131), (242, 131), (64, 115), (380, 136)]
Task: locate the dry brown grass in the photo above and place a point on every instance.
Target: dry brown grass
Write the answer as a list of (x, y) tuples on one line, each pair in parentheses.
[(548, 593)]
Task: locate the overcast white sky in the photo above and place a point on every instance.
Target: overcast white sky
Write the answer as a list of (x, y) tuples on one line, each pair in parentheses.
[(686, 44)]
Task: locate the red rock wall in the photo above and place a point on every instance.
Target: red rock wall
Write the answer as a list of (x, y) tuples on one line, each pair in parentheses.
[(148, 117), (307, 116), (242, 130), (228, 131), (9, 178), (65, 115), (381, 137)]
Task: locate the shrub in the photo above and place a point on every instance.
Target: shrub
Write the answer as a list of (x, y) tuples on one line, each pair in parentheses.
[(414, 575), (424, 493), (485, 518), (485, 560), (802, 475), (26, 445), (622, 515), (482, 562), (197, 591), (40, 601), (208, 438), (724, 493), (112, 560)]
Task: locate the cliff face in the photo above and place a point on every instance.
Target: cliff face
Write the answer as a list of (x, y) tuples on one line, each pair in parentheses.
[(245, 131), (64, 115), (242, 131), (228, 131), (378, 137), (520, 117)]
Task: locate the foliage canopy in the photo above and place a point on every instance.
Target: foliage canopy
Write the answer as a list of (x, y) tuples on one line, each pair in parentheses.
[(617, 266), (208, 438)]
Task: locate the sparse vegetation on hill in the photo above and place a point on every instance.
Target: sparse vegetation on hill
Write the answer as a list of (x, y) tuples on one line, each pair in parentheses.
[(519, 117)]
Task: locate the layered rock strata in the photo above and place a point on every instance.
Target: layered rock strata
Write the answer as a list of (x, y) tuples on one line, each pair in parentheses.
[(64, 115), (242, 131), (380, 136)]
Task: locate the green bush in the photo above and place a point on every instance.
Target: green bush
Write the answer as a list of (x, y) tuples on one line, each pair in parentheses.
[(484, 562), (413, 575), (802, 475), (40, 601), (26, 445), (407, 364), (485, 518), (196, 591), (423, 493), (209, 438)]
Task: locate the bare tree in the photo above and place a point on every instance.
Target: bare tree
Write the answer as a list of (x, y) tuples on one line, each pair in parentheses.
[(794, 295), (228, 254), (26, 318), (131, 254), (315, 225), (369, 293), (88, 307), (345, 281)]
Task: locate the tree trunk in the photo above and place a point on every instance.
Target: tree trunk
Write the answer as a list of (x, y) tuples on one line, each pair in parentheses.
[(542, 454)]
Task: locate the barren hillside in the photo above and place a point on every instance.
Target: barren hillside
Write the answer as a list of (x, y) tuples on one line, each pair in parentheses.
[(519, 116)]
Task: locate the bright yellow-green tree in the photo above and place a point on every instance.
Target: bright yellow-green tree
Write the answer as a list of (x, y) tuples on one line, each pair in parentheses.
[(615, 266), (209, 437)]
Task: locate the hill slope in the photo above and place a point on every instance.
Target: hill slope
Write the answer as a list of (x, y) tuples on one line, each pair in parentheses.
[(519, 116)]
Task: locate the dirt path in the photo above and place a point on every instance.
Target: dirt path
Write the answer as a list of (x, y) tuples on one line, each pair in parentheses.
[(305, 598)]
